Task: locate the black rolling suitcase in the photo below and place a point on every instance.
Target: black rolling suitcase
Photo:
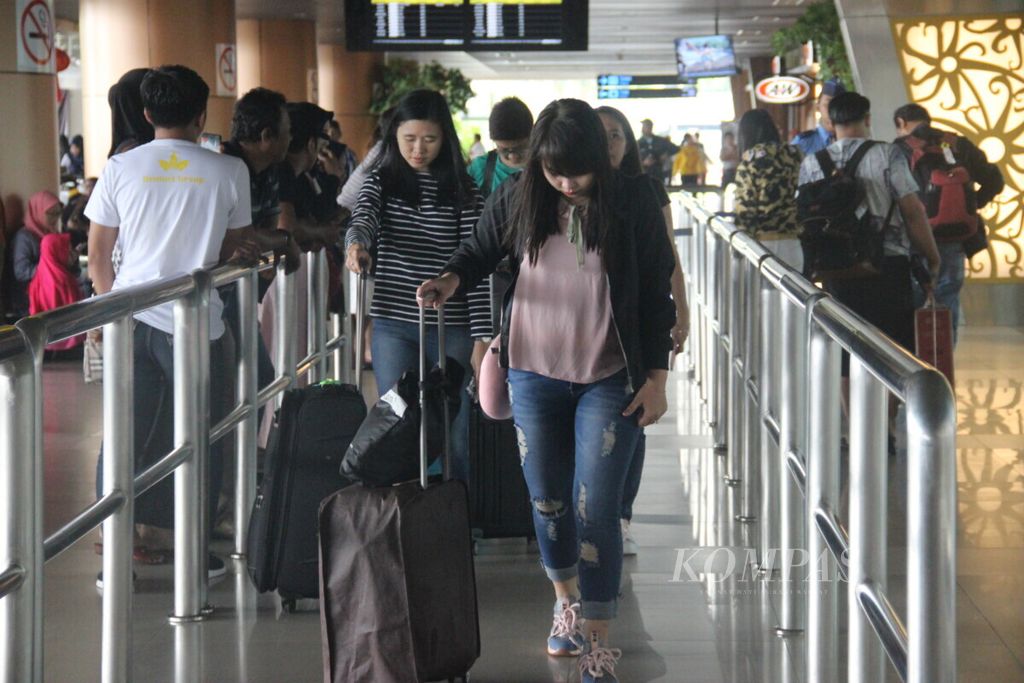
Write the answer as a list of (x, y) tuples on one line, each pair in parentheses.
[(499, 501), (398, 600), (311, 431)]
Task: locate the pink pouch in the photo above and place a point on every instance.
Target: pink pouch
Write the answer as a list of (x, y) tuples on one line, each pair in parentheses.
[(493, 391)]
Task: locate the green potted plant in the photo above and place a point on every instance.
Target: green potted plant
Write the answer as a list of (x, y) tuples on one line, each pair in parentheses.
[(820, 24), (399, 76)]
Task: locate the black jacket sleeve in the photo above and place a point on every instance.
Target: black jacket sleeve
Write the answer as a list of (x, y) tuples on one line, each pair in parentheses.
[(655, 263), (982, 171), (480, 253)]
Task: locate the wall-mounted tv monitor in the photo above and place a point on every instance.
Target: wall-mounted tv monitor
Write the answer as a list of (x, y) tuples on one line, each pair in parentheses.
[(705, 56), (466, 25)]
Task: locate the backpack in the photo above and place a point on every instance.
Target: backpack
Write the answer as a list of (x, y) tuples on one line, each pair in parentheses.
[(838, 243), (489, 165), (947, 189)]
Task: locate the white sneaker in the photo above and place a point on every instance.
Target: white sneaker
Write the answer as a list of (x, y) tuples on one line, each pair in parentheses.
[(629, 546)]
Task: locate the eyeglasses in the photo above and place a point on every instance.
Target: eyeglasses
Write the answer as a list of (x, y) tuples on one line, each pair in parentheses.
[(509, 152)]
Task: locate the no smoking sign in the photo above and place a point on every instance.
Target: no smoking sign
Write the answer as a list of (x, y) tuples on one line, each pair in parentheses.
[(35, 36), (227, 70)]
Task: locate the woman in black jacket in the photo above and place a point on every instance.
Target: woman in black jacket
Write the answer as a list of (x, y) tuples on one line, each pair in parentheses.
[(586, 340)]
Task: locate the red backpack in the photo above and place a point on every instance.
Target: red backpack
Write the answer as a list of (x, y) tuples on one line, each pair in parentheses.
[(947, 189)]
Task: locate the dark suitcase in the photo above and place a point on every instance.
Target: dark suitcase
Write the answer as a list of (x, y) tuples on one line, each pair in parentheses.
[(499, 502), (398, 600), (311, 431)]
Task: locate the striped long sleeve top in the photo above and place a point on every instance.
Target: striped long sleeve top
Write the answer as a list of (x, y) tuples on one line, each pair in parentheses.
[(413, 244)]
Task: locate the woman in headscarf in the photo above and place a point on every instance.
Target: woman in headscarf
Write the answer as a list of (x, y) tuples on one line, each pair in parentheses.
[(55, 283), (41, 219), (129, 127)]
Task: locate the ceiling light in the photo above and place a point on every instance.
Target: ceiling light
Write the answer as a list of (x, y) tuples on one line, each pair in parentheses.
[(755, 18)]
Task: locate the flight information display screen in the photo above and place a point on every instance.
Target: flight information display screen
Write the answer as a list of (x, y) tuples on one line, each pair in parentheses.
[(469, 25)]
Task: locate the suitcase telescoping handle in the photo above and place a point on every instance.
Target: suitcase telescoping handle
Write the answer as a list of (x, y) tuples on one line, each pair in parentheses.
[(442, 363), (360, 328)]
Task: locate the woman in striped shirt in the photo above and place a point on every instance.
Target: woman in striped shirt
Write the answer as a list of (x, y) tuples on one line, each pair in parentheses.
[(413, 211)]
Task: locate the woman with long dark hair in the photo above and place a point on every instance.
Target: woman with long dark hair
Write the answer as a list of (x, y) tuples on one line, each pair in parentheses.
[(586, 341), (624, 154), (766, 181), (413, 210)]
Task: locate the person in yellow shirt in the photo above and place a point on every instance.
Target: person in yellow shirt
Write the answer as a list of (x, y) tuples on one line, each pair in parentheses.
[(687, 161)]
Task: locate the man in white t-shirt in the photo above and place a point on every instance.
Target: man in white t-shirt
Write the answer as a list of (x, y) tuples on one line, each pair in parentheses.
[(173, 207)]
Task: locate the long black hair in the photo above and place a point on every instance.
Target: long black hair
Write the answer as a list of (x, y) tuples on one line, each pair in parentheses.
[(127, 120), (398, 179), (569, 140), (757, 127), (631, 161)]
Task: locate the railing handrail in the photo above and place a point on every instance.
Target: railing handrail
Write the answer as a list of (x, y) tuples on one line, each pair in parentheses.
[(87, 314), (21, 345), (725, 303)]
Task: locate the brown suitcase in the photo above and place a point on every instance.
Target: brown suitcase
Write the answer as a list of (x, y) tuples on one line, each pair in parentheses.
[(398, 593), (933, 337)]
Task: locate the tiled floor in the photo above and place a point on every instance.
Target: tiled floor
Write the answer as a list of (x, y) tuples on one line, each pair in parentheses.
[(670, 628)]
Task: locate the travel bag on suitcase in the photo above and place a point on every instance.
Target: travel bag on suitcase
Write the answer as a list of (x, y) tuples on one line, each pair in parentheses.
[(398, 592), (311, 431)]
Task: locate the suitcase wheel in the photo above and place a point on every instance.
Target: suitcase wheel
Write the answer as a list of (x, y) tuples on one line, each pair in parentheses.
[(288, 604)]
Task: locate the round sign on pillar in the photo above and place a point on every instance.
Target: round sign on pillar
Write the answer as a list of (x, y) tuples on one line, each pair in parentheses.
[(782, 90), (35, 36), (227, 70)]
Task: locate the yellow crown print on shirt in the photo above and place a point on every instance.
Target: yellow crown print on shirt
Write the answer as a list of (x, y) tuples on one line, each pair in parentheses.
[(174, 163)]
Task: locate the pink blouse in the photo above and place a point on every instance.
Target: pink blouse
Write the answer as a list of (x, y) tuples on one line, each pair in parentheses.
[(561, 325)]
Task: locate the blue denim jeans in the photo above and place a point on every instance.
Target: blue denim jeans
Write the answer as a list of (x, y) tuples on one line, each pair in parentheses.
[(949, 283), (576, 448), (396, 349), (636, 470)]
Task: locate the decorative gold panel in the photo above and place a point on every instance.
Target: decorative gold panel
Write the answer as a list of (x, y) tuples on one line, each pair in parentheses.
[(969, 73)]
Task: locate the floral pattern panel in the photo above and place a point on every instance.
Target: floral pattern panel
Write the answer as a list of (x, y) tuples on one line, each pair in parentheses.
[(969, 73)]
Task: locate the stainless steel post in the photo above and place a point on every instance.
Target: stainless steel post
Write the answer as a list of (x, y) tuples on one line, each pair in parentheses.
[(736, 391), (931, 529), (822, 492), (339, 368), (771, 352), (697, 302), (316, 313), (246, 390), (21, 612), (791, 501), (285, 302), (868, 496), (189, 565), (720, 356), (750, 474), (360, 329), (118, 475)]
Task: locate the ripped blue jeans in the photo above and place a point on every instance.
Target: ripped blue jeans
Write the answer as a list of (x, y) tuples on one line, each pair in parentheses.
[(576, 448)]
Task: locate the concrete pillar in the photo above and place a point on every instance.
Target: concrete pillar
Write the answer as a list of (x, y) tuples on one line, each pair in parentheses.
[(118, 35), (28, 114), (346, 88), (279, 54)]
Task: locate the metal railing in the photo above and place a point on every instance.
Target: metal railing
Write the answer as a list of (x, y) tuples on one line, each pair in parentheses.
[(23, 548), (765, 351)]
